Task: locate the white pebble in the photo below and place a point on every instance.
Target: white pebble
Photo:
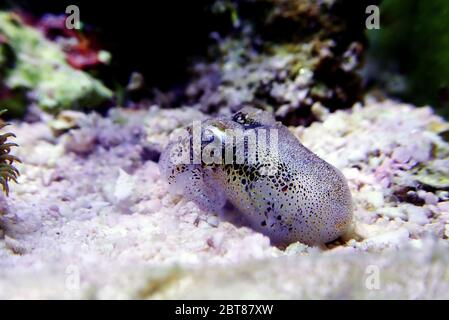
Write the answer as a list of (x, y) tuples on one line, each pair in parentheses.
[(124, 186), (444, 206), (393, 238), (401, 155), (15, 246), (213, 221), (436, 229), (154, 205), (418, 215), (428, 197), (375, 198)]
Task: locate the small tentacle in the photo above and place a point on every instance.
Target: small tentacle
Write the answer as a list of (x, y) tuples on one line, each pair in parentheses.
[(9, 168), (4, 137), (8, 145), (5, 124), (10, 158), (8, 172), (4, 184)]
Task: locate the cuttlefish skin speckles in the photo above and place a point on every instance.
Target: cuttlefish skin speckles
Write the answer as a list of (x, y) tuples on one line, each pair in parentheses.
[(303, 198)]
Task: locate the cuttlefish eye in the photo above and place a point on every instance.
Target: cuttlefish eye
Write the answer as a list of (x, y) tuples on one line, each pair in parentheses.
[(240, 118), (245, 120)]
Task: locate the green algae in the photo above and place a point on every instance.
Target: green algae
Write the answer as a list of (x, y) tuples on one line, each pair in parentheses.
[(433, 178), (38, 68)]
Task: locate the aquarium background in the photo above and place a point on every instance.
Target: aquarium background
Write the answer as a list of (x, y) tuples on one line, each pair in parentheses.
[(406, 57)]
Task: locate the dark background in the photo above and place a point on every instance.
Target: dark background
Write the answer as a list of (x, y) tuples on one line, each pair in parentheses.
[(157, 38)]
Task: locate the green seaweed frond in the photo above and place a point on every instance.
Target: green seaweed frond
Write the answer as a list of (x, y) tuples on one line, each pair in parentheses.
[(7, 171)]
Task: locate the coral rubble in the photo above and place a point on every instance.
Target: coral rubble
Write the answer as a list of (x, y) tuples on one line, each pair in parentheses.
[(91, 199), (284, 56)]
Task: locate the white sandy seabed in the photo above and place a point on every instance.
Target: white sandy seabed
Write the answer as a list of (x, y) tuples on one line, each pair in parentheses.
[(92, 218)]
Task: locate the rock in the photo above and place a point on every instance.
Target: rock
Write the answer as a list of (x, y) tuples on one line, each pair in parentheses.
[(418, 215), (15, 246), (401, 155), (296, 248), (212, 220), (289, 73), (436, 229), (66, 120), (428, 197), (123, 187), (444, 206), (374, 198), (40, 68), (395, 238), (80, 141), (153, 205)]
